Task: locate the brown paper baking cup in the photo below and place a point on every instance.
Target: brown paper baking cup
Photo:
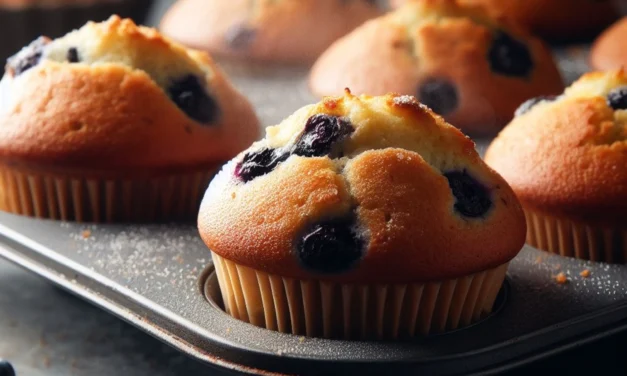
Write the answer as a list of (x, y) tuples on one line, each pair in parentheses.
[(572, 239), (163, 198), (351, 311), (21, 26)]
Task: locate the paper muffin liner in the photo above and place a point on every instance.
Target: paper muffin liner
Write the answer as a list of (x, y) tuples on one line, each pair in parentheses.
[(571, 239), (21, 26), (351, 311), (69, 198)]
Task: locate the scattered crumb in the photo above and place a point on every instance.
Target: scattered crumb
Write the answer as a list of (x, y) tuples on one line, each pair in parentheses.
[(557, 267), (585, 273), (539, 260), (561, 278), (228, 330), (86, 234), (279, 353), (179, 259), (301, 339)]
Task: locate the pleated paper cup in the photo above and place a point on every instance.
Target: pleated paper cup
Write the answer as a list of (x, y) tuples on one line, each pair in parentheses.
[(355, 311), (575, 239), (20, 26), (71, 198)]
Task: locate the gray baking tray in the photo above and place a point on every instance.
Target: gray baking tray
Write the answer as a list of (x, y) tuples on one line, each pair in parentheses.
[(156, 276)]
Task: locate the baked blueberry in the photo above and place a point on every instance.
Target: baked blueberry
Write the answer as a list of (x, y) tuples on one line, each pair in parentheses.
[(192, 98), (440, 95), (528, 104), (321, 133), (509, 57), (617, 98), (6, 369), (330, 247), (72, 55), (28, 57), (257, 163), (240, 36), (472, 199)]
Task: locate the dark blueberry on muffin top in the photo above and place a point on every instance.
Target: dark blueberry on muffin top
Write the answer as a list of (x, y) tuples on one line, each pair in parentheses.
[(509, 57), (28, 57), (617, 98), (472, 199), (192, 98), (330, 247), (440, 95), (72, 55), (321, 133), (258, 163), (530, 103)]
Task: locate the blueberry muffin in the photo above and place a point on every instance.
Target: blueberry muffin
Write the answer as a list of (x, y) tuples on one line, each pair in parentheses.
[(361, 217), (565, 158), (556, 20), (292, 31), (21, 21), (608, 51), (458, 62), (112, 122)]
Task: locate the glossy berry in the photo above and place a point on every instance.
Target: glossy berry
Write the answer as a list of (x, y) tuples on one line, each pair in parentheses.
[(330, 247), (28, 57), (617, 98), (530, 103), (440, 95), (321, 133), (72, 55), (6, 369), (509, 57), (472, 198), (240, 36), (191, 97), (258, 163)]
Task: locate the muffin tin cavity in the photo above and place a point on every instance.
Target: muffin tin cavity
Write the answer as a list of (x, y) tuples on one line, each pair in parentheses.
[(192, 98), (617, 98), (330, 247), (321, 133), (472, 198), (529, 104), (440, 95), (509, 57), (28, 57)]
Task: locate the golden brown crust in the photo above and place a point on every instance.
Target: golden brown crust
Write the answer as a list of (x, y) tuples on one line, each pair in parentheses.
[(568, 158), (553, 19), (396, 58), (400, 197), (110, 118), (608, 51), (284, 30)]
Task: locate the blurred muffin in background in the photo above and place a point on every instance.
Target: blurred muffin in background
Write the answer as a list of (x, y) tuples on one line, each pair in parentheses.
[(458, 61), (293, 31), (556, 20), (608, 51), (22, 21)]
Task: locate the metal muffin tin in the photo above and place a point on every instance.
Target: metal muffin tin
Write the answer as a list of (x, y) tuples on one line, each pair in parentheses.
[(156, 276)]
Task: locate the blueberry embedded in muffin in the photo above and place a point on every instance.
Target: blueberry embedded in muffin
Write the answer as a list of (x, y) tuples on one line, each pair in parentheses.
[(114, 109), (451, 55), (353, 193)]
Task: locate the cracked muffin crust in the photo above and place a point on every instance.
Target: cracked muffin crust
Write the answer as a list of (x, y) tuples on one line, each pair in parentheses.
[(565, 158), (558, 20), (454, 58), (113, 100), (361, 190), (268, 30)]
